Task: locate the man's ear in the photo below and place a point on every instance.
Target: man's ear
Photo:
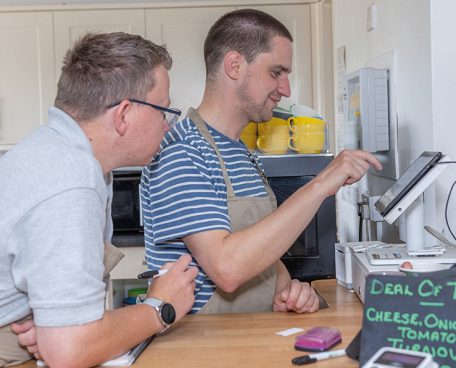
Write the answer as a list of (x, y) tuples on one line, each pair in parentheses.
[(121, 117), (232, 63)]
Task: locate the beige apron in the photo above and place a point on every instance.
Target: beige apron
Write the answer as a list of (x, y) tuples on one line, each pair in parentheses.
[(256, 295), (11, 353)]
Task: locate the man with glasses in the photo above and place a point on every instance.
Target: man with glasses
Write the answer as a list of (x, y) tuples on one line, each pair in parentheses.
[(111, 110), (170, 115), (204, 195)]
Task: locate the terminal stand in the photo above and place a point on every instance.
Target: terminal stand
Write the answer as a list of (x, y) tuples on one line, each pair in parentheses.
[(415, 249), (404, 197)]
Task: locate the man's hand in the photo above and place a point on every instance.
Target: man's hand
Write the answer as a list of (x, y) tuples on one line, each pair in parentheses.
[(297, 296), (347, 168), (176, 286), (26, 334)]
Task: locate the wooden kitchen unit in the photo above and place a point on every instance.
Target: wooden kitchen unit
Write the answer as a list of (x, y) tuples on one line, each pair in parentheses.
[(250, 340)]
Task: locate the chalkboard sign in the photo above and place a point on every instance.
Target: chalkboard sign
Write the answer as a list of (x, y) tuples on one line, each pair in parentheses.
[(413, 312)]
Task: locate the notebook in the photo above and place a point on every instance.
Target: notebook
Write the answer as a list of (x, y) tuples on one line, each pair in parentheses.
[(124, 360), (129, 357)]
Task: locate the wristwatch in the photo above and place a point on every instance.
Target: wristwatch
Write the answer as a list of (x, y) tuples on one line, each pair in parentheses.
[(165, 312)]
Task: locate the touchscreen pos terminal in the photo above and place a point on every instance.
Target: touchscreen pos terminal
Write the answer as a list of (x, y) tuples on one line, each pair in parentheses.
[(405, 197), (408, 180)]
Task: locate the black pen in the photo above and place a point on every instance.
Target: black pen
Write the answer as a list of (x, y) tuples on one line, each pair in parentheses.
[(312, 358), (151, 274)]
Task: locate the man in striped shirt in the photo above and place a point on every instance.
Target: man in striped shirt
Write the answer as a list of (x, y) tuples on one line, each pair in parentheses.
[(204, 194)]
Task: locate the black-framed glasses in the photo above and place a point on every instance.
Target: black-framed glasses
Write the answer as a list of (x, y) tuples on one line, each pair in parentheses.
[(170, 115)]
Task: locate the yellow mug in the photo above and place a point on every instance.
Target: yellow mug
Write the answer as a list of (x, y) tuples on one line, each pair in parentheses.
[(250, 140), (273, 144), (273, 126), (250, 128), (249, 135), (308, 134), (307, 142), (306, 124)]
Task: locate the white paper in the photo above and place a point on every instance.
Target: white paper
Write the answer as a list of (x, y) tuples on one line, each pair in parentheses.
[(340, 70), (290, 331), (129, 357), (124, 360)]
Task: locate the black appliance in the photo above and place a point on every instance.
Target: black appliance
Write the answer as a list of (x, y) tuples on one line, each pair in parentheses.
[(126, 208), (312, 254)]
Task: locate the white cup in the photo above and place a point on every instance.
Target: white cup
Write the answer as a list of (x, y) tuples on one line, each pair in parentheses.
[(302, 110)]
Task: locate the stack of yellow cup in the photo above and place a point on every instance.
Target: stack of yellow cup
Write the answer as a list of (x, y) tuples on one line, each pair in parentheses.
[(273, 136), (249, 135), (308, 134)]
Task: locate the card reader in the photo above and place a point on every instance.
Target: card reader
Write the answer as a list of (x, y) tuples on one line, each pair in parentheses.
[(388, 357)]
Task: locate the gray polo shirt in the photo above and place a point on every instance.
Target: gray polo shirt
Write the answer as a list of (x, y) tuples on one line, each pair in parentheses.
[(54, 218)]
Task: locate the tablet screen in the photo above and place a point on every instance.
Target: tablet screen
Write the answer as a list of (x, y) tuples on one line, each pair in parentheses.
[(407, 181)]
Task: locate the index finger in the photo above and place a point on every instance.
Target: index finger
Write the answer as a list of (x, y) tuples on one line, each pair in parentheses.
[(19, 327), (371, 159), (182, 263), (296, 288), (192, 271)]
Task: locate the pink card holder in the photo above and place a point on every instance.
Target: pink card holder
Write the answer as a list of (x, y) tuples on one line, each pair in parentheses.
[(318, 339)]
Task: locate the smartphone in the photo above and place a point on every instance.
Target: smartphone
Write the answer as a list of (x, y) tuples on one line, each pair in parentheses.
[(318, 339)]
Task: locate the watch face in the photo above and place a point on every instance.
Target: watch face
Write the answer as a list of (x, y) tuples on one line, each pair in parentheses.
[(168, 313)]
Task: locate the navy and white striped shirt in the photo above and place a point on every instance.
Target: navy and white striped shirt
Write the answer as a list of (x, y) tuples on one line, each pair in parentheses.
[(183, 192)]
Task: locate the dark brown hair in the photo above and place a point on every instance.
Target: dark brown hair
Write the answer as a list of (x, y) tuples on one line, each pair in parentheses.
[(246, 31), (103, 68)]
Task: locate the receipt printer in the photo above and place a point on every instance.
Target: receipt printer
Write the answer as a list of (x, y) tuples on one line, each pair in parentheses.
[(343, 255)]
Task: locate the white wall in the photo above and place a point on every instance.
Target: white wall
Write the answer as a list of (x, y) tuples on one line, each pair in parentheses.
[(72, 2), (443, 55), (420, 35)]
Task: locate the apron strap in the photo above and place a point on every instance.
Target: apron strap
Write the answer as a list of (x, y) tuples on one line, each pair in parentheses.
[(202, 128), (263, 177)]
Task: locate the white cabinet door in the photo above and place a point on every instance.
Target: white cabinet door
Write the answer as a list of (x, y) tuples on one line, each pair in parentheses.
[(297, 19), (124, 275), (27, 85), (70, 25), (131, 265), (183, 31)]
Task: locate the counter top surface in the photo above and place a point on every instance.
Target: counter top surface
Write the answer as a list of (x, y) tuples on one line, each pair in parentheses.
[(250, 340)]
